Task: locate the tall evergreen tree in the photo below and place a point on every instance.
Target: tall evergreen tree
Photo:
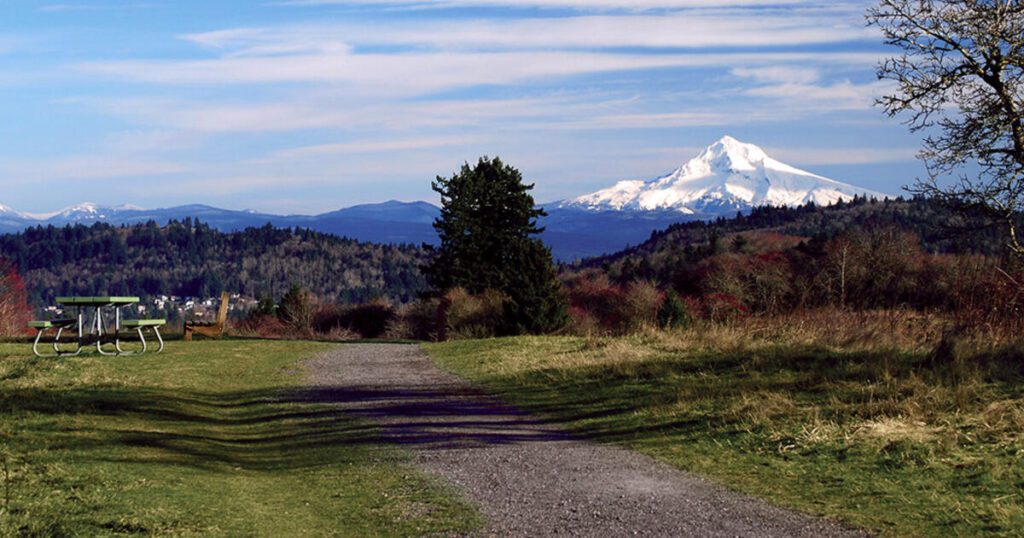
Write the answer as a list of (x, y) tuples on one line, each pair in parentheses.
[(487, 229)]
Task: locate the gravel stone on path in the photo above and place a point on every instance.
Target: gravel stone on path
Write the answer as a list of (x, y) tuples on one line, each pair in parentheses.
[(526, 476)]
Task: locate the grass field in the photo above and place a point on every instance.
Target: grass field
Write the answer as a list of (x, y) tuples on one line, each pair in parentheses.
[(878, 438), (206, 438)]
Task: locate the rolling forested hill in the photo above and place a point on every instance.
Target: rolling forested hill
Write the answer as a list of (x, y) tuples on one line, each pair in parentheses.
[(938, 228), (189, 258)]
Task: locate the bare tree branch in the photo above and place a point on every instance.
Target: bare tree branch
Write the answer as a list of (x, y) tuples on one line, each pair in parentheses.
[(960, 79)]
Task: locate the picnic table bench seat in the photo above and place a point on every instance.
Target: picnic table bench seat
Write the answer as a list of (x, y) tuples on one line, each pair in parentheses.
[(41, 326), (138, 325), (133, 323), (52, 323)]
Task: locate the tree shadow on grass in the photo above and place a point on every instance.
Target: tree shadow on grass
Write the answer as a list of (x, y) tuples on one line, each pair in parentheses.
[(264, 430), (296, 429), (689, 397)]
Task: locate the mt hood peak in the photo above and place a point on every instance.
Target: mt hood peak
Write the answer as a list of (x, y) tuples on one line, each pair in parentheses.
[(727, 176)]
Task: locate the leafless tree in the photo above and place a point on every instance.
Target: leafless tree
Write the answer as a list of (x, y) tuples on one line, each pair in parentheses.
[(959, 81)]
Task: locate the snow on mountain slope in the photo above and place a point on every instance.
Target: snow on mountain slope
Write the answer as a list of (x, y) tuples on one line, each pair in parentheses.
[(10, 211), (726, 177)]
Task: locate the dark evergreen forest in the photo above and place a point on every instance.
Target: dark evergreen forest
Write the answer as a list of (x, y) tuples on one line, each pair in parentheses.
[(189, 258)]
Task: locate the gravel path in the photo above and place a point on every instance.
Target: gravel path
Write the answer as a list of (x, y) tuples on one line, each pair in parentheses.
[(526, 476)]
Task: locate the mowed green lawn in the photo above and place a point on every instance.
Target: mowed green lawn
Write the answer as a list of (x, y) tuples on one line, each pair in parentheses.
[(876, 438), (207, 438)]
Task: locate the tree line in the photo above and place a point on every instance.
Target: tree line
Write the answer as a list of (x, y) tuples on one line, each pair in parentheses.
[(189, 258)]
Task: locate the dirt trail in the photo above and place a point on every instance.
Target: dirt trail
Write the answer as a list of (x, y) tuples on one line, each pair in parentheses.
[(526, 476)]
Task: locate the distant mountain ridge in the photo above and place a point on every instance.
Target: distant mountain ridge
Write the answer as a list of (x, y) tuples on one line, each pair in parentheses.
[(571, 234), (387, 222), (727, 177)]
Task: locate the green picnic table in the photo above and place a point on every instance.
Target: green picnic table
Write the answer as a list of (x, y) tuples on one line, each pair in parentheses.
[(96, 330)]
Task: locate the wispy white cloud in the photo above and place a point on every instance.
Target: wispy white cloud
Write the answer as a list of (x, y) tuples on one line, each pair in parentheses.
[(571, 4), (803, 89), (87, 167), (776, 74), (420, 73), (730, 29), (371, 146), (833, 156)]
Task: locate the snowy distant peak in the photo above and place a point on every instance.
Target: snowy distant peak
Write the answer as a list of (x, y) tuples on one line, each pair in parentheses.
[(727, 176), (728, 154), (83, 211), (87, 208)]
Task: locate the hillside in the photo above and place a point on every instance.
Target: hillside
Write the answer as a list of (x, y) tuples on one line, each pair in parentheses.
[(939, 229), (188, 258)]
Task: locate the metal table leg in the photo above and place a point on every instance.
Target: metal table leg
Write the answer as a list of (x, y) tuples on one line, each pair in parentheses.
[(79, 342), (99, 333)]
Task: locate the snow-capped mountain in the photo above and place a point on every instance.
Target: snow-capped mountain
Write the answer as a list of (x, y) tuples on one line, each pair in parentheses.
[(87, 211), (726, 177)]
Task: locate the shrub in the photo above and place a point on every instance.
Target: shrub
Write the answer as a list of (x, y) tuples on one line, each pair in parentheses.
[(329, 317), (597, 303), (473, 316), (641, 302), (296, 309), (583, 323), (722, 307), (15, 312), (417, 320), (592, 292), (673, 313), (369, 320), (263, 326), (763, 282)]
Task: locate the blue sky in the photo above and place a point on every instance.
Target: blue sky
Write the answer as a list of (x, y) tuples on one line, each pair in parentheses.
[(304, 106)]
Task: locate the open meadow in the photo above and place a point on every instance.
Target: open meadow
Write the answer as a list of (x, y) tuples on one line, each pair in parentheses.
[(207, 438), (862, 418)]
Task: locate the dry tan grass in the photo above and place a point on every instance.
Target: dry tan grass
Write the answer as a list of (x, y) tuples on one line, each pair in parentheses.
[(760, 408), (897, 429)]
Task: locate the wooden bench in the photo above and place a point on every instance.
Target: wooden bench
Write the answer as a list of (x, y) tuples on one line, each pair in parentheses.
[(41, 326), (211, 329), (139, 325)]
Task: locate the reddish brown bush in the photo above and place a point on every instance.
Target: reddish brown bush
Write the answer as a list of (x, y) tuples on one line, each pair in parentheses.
[(761, 282), (15, 312), (582, 322), (722, 307), (264, 326), (598, 305), (592, 292)]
